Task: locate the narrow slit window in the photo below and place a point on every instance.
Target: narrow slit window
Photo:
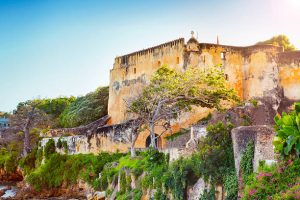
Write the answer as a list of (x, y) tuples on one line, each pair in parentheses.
[(226, 77), (134, 70), (158, 63), (223, 55), (177, 60)]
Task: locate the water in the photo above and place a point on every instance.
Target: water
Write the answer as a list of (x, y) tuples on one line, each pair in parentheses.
[(9, 193)]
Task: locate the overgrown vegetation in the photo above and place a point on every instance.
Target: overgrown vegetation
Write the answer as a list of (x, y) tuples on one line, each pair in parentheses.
[(280, 40), (246, 164), (86, 109), (171, 92), (8, 161), (279, 181), (287, 139), (66, 169), (213, 161)]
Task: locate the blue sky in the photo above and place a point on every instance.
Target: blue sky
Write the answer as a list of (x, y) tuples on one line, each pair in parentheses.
[(51, 48)]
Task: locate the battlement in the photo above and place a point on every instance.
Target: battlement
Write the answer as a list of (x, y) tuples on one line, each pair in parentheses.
[(243, 49), (289, 57), (131, 59)]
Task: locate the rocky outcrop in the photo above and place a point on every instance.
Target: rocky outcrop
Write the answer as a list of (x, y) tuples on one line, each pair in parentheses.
[(10, 177), (27, 192)]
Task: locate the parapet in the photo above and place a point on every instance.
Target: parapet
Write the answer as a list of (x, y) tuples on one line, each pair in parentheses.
[(286, 58), (245, 50), (129, 59)]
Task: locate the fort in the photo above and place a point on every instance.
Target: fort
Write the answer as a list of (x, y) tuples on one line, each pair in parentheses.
[(253, 71)]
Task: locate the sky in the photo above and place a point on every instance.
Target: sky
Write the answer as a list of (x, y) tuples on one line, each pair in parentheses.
[(52, 48)]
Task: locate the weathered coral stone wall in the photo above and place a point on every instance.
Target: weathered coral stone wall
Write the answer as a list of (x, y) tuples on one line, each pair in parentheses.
[(131, 72), (289, 72), (252, 71), (261, 136)]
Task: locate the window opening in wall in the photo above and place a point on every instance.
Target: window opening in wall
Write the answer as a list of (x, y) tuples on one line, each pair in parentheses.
[(134, 70), (223, 55), (177, 60), (226, 77), (158, 63), (203, 59)]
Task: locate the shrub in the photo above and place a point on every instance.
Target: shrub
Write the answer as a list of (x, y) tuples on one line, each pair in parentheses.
[(287, 139), (49, 148), (208, 194), (215, 153), (8, 160), (231, 185), (59, 144), (59, 169), (279, 181), (246, 164), (86, 109)]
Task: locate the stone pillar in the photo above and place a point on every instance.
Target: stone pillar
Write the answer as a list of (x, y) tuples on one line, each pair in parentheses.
[(262, 136)]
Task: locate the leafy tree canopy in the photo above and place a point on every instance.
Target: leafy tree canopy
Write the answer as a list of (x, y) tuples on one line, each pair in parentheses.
[(287, 139), (280, 40), (171, 92), (86, 109)]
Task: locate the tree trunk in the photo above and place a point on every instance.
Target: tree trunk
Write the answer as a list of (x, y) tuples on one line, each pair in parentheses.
[(132, 151), (152, 136), (26, 148)]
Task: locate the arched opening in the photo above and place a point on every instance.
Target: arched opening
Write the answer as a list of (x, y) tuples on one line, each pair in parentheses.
[(157, 141), (177, 60)]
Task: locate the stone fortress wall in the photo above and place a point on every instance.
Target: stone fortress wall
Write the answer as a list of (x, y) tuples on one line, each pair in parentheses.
[(131, 72), (252, 71)]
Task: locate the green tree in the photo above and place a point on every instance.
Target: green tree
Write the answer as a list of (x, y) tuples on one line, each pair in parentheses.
[(54, 107), (27, 117), (86, 109), (170, 93), (280, 40)]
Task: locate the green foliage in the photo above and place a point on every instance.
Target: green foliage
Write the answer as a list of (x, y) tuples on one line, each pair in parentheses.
[(280, 40), (287, 139), (177, 134), (137, 194), (177, 177), (246, 164), (254, 102), (246, 120), (159, 195), (54, 107), (231, 185), (49, 148), (171, 92), (65, 146), (28, 163), (216, 153), (67, 169), (86, 109), (8, 160), (279, 181), (59, 144), (208, 194)]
